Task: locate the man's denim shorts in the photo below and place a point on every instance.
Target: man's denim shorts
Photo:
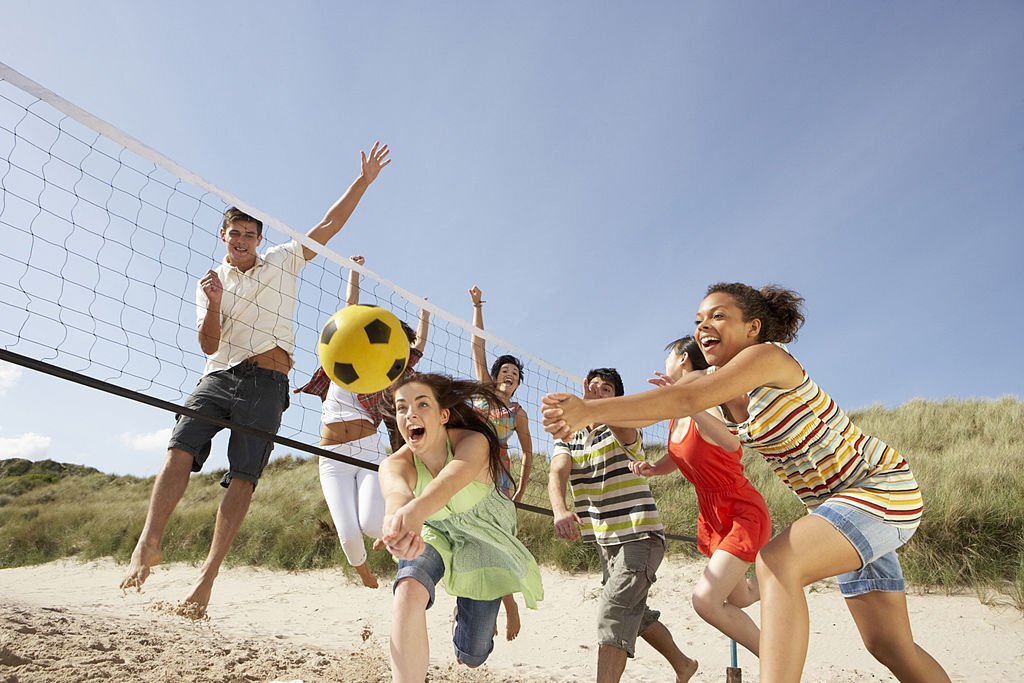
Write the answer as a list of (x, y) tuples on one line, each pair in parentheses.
[(246, 394)]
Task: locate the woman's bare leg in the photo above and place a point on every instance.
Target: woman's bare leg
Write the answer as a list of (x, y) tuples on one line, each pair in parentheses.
[(808, 550), (725, 575), (884, 626), (410, 649)]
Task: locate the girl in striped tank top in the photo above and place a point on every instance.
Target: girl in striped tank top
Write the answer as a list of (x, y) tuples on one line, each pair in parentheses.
[(863, 498), (504, 378)]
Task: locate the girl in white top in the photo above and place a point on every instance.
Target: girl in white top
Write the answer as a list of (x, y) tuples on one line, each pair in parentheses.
[(352, 492)]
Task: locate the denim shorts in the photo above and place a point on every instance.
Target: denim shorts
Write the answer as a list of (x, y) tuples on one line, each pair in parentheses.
[(246, 394), (875, 542), (475, 620)]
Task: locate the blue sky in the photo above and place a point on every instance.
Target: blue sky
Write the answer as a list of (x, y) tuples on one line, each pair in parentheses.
[(593, 167)]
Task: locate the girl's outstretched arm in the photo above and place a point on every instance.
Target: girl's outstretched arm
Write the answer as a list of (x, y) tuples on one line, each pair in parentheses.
[(754, 366), (470, 458), (632, 424), (422, 329), (397, 477), (660, 379), (646, 469), (710, 422)]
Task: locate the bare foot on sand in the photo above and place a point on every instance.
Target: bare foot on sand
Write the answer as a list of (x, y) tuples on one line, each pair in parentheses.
[(144, 557), (369, 580), (686, 670), (512, 623), (199, 598)]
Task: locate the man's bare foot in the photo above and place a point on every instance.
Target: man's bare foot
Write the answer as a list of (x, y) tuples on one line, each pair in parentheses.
[(685, 671), (144, 557), (369, 580), (199, 598), (512, 623)]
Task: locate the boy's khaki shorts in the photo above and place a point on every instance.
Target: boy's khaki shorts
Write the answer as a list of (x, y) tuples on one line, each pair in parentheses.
[(629, 571)]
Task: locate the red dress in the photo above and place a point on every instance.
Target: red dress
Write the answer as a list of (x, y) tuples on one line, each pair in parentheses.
[(732, 514)]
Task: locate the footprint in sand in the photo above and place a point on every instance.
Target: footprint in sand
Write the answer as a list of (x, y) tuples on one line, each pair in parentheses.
[(9, 657)]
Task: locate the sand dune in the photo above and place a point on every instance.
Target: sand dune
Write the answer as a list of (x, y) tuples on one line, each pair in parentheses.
[(67, 621)]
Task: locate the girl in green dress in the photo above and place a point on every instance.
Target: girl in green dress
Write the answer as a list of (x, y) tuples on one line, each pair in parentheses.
[(446, 520)]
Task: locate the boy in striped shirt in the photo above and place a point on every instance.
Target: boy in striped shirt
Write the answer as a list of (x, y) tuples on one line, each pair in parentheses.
[(614, 509)]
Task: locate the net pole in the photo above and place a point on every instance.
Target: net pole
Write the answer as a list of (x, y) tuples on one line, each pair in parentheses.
[(733, 674)]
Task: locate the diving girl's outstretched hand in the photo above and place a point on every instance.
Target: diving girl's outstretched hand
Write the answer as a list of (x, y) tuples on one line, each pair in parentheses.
[(402, 534)]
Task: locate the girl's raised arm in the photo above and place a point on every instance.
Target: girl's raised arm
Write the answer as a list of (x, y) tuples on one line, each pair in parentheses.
[(352, 293), (479, 345)]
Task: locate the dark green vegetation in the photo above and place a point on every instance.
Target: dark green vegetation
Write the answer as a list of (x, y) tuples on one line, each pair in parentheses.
[(966, 455)]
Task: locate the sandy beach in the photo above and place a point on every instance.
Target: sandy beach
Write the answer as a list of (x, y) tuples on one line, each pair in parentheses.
[(67, 621)]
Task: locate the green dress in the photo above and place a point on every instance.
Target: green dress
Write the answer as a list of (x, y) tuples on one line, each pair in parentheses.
[(475, 535)]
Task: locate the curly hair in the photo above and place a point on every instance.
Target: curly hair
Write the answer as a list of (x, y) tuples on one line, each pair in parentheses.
[(780, 310)]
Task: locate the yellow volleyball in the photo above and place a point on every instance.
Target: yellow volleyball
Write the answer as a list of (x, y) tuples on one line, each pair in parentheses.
[(363, 349)]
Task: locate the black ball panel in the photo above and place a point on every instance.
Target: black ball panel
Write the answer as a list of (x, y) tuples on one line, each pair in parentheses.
[(346, 372), (329, 329), (378, 332), (396, 369)]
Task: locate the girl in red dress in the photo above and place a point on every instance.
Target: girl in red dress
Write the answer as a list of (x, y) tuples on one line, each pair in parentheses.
[(732, 522)]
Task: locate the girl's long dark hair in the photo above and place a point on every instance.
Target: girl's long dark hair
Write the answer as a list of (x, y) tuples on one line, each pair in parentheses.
[(458, 396)]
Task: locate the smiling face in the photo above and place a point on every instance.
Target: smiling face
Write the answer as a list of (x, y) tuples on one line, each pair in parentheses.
[(420, 418), (241, 238), (721, 330), (507, 379)]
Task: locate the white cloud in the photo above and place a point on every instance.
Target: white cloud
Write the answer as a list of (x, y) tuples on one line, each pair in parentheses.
[(9, 376), (147, 441), (30, 446)]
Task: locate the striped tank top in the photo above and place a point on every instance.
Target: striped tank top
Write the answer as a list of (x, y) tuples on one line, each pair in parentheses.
[(820, 454)]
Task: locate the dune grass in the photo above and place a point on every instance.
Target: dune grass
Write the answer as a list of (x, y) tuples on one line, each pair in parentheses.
[(963, 452)]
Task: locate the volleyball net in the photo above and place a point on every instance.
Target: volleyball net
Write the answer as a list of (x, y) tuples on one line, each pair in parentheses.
[(104, 240)]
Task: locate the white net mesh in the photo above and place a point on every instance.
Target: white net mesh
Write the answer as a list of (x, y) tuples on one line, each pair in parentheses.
[(104, 241)]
